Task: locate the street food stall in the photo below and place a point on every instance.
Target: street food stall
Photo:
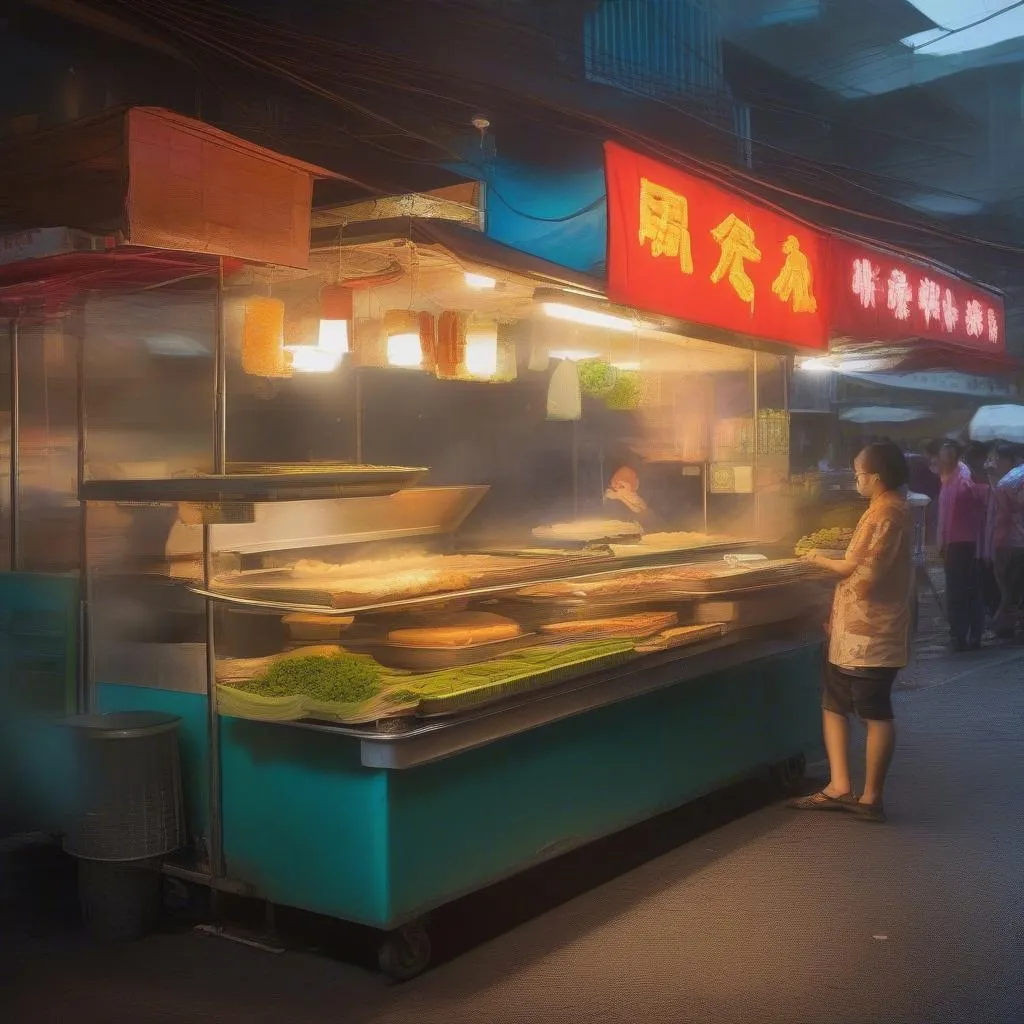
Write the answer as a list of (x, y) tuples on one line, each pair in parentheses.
[(485, 540), (447, 561)]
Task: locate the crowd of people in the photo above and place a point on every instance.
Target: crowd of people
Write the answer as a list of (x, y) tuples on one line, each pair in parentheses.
[(980, 536)]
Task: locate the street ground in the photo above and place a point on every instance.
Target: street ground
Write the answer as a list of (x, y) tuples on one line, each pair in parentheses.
[(738, 910)]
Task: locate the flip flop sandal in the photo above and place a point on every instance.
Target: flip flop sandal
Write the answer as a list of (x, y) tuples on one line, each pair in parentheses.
[(869, 812), (821, 801)]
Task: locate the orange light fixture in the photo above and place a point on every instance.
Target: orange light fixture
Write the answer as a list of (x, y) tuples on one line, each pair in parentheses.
[(263, 350)]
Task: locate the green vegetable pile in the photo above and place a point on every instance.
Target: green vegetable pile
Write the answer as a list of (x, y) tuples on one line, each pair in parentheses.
[(834, 538), (625, 394), (333, 678), (597, 377), (529, 662), (618, 389)]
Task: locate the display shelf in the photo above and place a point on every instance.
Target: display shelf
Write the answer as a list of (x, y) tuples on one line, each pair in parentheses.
[(310, 599), (305, 483)]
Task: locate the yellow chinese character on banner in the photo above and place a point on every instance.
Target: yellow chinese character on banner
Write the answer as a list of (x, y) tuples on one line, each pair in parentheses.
[(665, 223), (737, 241), (795, 283)]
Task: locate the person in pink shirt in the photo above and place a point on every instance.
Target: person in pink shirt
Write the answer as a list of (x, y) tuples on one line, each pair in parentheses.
[(1008, 535), (978, 459), (960, 529)]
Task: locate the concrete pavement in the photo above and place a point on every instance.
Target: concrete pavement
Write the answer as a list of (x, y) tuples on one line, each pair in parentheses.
[(774, 916)]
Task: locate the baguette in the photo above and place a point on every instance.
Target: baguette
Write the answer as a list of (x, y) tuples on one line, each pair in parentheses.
[(463, 630), (640, 625), (316, 627)]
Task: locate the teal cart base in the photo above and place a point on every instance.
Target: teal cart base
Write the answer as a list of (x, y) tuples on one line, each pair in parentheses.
[(38, 689), (353, 826), (309, 825)]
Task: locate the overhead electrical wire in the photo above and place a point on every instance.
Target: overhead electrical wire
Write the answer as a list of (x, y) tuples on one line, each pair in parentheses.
[(833, 168), (159, 13), (226, 16)]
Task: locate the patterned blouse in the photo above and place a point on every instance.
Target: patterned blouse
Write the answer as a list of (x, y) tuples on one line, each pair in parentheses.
[(870, 625)]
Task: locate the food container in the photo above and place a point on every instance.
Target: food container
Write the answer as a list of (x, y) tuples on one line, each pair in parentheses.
[(430, 659)]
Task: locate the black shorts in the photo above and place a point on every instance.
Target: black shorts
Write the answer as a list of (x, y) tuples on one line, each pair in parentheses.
[(869, 694)]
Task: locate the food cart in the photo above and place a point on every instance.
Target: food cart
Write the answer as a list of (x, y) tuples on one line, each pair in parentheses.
[(446, 563), (412, 598)]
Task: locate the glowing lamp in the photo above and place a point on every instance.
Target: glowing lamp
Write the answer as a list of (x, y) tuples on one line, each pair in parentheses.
[(590, 317), (482, 350), (405, 350), (313, 359), (335, 316), (404, 347)]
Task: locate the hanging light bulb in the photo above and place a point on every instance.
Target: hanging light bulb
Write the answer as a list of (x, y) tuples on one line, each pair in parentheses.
[(482, 350), (404, 348), (335, 316), (313, 359)]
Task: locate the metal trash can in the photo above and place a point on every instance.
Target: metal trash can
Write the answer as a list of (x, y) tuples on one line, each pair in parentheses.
[(127, 813), (128, 805)]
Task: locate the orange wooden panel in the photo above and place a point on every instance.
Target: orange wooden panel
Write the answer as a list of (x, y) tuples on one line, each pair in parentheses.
[(195, 188)]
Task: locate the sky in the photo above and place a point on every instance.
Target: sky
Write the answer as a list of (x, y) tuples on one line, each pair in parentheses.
[(955, 14)]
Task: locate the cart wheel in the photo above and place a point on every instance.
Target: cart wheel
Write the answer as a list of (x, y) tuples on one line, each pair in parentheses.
[(789, 774), (405, 953)]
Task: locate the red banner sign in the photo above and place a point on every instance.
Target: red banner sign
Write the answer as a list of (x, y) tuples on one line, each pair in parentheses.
[(877, 296), (682, 247)]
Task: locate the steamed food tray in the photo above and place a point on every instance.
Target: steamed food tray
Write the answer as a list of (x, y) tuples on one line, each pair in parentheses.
[(664, 583), (449, 696)]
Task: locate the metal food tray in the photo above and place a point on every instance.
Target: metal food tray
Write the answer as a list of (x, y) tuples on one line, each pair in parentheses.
[(278, 590), (535, 612), (431, 659), (680, 590), (700, 634), (304, 482), (605, 542), (755, 579), (642, 555), (489, 693)]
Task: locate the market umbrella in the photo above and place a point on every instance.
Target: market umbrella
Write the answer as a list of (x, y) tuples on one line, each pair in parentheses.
[(998, 423), (883, 414)]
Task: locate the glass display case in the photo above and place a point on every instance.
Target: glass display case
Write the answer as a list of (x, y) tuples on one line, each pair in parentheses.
[(435, 475)]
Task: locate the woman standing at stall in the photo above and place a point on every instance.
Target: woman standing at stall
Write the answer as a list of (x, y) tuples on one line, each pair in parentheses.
[(869, 633)]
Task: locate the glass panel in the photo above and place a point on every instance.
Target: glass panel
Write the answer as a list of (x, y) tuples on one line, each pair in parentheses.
[(274, 417), (5, 446), (145, 627), (49, 524), (149, 394)]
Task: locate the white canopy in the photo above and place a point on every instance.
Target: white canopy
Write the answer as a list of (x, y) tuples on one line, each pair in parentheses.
[(998, 423), (883, 414)]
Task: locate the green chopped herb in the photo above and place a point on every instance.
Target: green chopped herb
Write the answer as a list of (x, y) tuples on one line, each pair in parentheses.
[(597, 377), (625, 393), (334, 678)]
